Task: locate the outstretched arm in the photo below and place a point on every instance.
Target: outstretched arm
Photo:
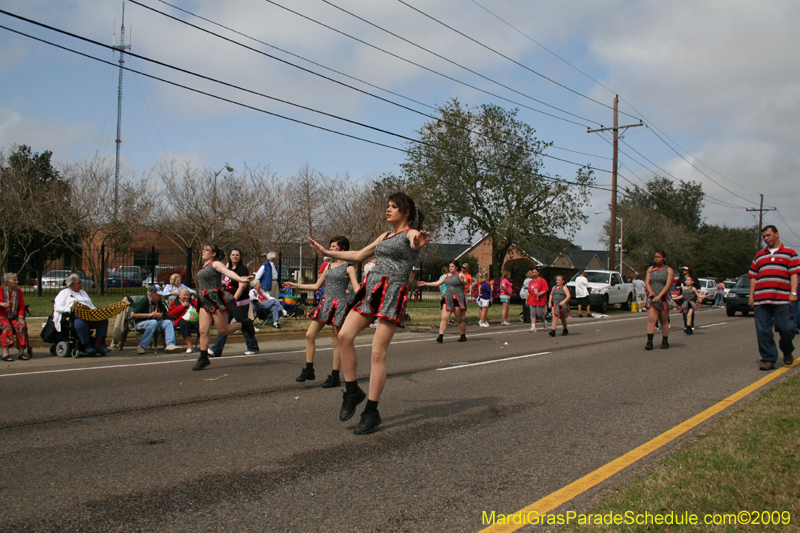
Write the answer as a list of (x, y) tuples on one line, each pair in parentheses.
[(222, 269), (355, 256), (306, 286), (432, 283)]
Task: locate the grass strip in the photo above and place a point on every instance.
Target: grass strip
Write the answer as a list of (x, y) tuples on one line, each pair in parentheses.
[(744, 469)]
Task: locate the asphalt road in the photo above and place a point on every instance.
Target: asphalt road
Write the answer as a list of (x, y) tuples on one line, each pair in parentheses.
[(142, 443)]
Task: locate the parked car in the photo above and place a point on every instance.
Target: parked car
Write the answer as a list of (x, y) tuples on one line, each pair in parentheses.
[(738, 297), (126, 276), (708, 288), (55, 279), (605, 288), (157, 277)]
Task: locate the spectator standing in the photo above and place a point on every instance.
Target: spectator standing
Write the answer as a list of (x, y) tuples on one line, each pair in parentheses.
[(484, 299), (537, 298), (180, 311), (582, 294), (455, 299), (657, 283), (332, 309), (468, 278), (13, 328), (506, 292), (720, 296), (267, 273), (773, 291), (559, 303), (523, 295), (640, 291), (151, 314), (241, 295)]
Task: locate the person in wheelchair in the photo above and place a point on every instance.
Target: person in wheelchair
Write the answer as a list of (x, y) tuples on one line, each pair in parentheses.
[(13, 329), (63, 305)]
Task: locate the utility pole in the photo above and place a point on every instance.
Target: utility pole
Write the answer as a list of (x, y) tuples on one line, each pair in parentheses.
[(121, 49), (760, 219), (615, 158)]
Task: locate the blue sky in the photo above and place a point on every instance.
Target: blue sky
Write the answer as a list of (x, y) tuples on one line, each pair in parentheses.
[(715, 80)]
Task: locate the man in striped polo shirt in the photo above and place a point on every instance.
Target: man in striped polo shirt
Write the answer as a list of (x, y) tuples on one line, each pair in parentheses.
[(773, 288)]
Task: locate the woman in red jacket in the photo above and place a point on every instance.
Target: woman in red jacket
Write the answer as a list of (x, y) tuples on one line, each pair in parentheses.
[(12, 317), (181, 313)]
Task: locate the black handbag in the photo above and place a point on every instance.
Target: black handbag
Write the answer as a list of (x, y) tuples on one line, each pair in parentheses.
[(49, 333)]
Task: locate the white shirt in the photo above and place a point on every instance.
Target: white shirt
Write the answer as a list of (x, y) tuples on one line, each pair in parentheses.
[(581, 287), (169, 289), (260, 271), (639, 286), (63, 304), (260, 296)]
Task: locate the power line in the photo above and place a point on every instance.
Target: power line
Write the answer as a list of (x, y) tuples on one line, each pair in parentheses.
[(432, 71), (508, 58), (543, 176), (454, 62)]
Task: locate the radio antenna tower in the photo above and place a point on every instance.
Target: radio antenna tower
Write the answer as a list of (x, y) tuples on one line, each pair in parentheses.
[(121, 49)]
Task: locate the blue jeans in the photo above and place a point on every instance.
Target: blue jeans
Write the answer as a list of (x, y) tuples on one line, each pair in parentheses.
[(273, 306), (82, 328), (768, 318), (719, 298), (796, 311), (150, 328), (248, 332)]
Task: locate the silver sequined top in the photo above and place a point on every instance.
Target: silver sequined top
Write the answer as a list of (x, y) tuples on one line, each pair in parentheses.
[(658, 279)]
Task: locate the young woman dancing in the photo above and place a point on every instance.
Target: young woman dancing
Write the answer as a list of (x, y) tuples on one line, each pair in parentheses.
[(559, 303), (241, 294), (455, 299), (382, 295), (215, 303), (657, 282), (337, 276)]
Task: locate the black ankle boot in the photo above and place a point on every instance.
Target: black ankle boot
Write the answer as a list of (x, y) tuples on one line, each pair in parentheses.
[(649, 345), (664, 343), (440, 339), (202, 361), (463, 338)]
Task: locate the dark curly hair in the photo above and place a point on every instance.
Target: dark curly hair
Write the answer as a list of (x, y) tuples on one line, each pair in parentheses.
[(409, 208)]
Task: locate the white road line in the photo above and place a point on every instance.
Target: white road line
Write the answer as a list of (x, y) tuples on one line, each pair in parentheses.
[(712, 325), (427, 339), (492, 361)]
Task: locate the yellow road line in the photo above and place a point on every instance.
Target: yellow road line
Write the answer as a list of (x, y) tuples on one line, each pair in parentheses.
[(565, 494)]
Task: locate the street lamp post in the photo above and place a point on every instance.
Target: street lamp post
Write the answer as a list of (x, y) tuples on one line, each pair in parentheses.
[(620, 238), (214, 199)]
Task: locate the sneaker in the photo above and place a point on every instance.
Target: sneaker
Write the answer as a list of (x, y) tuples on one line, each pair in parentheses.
[(332, 381), (349, 404), (374, 325), (189, 350), (506, 323), (211, 353), (104, 351), (169, 348), (369, 423), (276, 325), (140, 350), (283, 312), (766, 366), (202, 362), (788, 359), (483, 324), (532, 330), (251, 352), (306, 374)]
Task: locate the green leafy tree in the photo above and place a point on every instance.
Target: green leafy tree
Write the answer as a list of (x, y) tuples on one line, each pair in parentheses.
[(683, 204), (724, 252), (479, 170)]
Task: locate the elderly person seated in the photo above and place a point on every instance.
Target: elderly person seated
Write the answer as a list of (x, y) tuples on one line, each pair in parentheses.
[(64, 301), (183, 313), (12, 317), (174, 286), (151, 314), (261, 299)]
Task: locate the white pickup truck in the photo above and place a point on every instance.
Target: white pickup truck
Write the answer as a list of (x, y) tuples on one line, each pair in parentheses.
[(605, 288)]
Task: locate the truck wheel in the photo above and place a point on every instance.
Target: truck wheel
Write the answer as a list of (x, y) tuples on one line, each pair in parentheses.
[(604, 305), (730, 311), (627, 305)]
